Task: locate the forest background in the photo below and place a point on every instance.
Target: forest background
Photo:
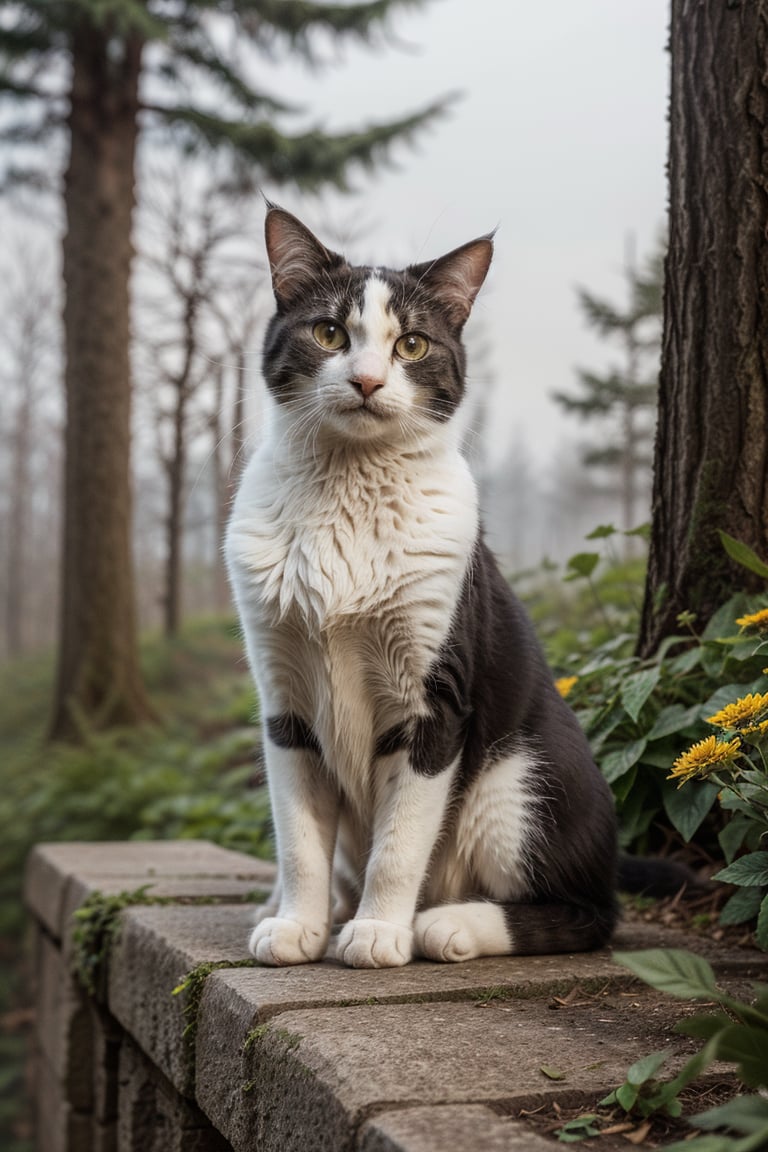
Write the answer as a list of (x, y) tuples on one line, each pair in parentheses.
[(136, 137)]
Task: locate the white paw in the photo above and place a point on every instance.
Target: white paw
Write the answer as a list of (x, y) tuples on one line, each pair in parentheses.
[(455, 932), (278, 941), (443, 937), (374, 944)]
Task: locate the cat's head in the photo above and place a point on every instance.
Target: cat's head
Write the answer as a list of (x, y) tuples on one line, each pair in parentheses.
[(366, 353)]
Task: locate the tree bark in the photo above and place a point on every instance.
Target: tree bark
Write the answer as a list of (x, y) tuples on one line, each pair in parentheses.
[(711, 456), (98, 677)]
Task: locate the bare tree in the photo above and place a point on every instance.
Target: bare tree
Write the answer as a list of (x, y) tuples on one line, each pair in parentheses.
[(30, 422), (193, 255)]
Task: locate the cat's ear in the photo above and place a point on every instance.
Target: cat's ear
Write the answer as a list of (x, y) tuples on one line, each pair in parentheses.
[(456, 279), (296, 257)]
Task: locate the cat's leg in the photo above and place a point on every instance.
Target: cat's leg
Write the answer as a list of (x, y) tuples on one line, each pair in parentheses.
[(502, 843), (348, 867), (304, 812), (409, 812)]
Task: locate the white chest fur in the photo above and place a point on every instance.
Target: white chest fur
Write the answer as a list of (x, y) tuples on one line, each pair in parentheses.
[(351, 533), (347, 568)]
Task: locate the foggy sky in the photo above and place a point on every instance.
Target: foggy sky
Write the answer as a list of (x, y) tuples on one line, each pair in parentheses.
[(559, 138)]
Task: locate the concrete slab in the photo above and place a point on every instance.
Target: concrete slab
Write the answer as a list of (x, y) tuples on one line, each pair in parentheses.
[(156, 948), (308, 1080), (125, 865), (436, 1129), (63, 1025)]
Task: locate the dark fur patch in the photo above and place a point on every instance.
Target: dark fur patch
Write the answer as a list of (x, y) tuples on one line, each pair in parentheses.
[(497, 694), (289, 731)]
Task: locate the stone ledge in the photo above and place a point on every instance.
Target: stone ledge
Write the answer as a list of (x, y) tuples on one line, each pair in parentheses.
[(317, 1057), (59, 877)]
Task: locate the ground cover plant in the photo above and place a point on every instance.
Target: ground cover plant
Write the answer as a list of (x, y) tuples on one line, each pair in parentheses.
[(736, 1032), (192, 773), (682, 737)]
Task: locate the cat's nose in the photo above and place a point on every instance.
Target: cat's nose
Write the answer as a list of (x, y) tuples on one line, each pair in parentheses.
[(366, 385)]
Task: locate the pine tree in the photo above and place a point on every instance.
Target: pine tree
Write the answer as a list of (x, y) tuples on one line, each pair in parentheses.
[(625, 396), (99, 70)]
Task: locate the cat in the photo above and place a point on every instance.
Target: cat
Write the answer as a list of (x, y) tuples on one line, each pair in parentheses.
[(431, 791)]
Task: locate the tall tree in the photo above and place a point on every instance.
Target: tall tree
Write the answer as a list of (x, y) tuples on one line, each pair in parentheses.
[(27, 363), (624, 397), (98, 70), (711, 460)]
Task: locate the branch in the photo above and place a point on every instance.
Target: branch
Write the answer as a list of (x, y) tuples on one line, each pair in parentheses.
[(204, 56), (265, 22)]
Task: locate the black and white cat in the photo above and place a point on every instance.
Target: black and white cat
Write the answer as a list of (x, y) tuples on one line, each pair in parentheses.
[(430, 789)]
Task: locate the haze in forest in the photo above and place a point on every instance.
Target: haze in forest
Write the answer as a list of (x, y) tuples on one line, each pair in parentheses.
[(557, 137)]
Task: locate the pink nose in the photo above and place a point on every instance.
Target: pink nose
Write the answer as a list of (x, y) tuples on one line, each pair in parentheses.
[(366, 385)]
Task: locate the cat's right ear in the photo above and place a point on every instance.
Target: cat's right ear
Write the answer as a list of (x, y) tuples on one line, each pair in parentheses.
[(297, 259)]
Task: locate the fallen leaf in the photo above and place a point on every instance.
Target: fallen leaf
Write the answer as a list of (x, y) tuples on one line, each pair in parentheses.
[(552, 1073), (639, 1134)]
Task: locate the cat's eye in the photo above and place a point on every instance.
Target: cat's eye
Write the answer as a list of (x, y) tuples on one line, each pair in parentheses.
[(330, 335), (412, 346)]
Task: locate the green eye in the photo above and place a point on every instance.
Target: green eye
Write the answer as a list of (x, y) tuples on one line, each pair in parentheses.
[(412, 346), (330, 335)]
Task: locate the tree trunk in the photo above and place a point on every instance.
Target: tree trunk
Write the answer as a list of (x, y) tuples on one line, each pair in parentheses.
[(711, 461), (175, 470), (98, 679), (221, 595), (19, 517)]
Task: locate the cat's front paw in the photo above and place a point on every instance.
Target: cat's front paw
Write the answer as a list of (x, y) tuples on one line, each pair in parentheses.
[(374, 944), (278, 941)]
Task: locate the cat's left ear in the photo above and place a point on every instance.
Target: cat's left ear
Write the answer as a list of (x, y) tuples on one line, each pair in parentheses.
[(297, 259), (456, 279)]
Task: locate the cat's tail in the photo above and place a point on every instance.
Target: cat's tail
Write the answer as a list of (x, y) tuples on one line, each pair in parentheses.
[(656, 876)]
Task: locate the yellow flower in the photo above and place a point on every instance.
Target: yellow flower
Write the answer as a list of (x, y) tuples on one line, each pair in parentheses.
[(564, 684), (707, 753), (756, 620), (748, 714)]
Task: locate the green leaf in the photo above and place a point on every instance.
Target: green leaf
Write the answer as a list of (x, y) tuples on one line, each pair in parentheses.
[(703, 1026), (626, 1096), (642, 530), (689, 806), (731, 837), (747, 1047), (672, 970), (579, 1128), (708, 1143), (743, 555), (743, 905), (636, 690), (602, 532), (582, 565), (615, 764), (647, 1067), (761, 935), (749, 871), (744, 1113), (722, 622), (686, 661), (673, 718)]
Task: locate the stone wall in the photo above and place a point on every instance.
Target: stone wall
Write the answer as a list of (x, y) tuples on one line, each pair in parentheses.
[(316, 1058)]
